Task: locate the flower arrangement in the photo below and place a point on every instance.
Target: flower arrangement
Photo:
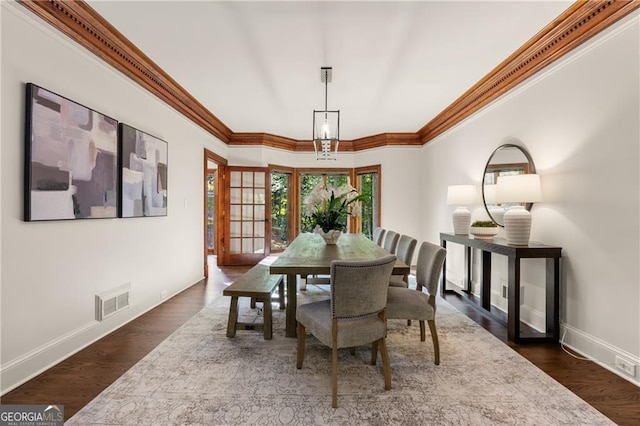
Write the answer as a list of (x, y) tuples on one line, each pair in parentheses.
[(328, 208), (484, 224)]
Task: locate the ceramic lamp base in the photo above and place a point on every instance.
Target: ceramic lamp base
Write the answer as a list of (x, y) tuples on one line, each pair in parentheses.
[(517, 225), (497, 214), (461, 221)]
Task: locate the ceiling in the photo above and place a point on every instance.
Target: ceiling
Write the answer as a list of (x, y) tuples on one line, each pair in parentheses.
[(396, 65)]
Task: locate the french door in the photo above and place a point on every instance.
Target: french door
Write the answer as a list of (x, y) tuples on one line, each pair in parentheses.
[(248, 204)]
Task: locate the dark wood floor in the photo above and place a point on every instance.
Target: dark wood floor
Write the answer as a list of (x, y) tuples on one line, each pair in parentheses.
[(77, 380)]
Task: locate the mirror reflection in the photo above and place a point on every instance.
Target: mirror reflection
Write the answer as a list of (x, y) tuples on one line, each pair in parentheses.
[(506, 160)]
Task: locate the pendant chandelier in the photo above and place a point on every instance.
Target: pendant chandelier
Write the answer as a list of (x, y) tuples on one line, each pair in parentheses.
[(326, 125)]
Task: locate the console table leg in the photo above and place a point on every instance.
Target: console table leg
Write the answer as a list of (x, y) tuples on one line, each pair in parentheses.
[(553, 298), (513, 314), (485, 283), (443, 287), (467, 262)]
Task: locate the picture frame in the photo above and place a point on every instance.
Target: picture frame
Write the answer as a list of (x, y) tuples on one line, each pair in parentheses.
[(143, 173), (71, 159)]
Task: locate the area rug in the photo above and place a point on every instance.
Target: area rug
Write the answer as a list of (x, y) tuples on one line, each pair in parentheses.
[(198, 376)]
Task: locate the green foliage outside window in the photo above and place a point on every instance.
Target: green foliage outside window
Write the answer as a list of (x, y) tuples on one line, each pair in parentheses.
[(279, 210)]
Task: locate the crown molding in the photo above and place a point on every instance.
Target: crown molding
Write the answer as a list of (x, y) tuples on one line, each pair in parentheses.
[(275, 141), (577, 24), (84, 25)]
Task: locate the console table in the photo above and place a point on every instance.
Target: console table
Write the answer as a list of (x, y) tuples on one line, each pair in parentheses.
[(517, 332)]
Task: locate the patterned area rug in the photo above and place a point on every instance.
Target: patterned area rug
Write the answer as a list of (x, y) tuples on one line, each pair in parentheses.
[(198, 376)]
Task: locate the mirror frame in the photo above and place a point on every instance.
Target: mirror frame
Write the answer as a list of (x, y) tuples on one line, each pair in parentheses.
[(532, 170)]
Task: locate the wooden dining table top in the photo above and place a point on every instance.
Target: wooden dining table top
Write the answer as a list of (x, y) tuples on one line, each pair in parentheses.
[(308, 254)]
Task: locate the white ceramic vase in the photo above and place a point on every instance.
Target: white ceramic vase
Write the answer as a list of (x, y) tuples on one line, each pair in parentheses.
[(517, 225), (330, 237)]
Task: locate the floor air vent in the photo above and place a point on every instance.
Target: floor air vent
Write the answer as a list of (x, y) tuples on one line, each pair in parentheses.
[(112, 301)]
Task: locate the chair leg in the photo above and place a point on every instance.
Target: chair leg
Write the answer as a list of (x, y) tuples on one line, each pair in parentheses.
[(334, 376), (423, 334), (374, 352), (436, 344), (386, 368), (301, 343), (253, 303)]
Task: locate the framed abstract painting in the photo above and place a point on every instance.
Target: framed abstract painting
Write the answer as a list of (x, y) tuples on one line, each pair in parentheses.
[(144, 173), (71, 159)]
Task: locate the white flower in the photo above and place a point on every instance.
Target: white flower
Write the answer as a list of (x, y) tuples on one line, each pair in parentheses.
[(356, 208)]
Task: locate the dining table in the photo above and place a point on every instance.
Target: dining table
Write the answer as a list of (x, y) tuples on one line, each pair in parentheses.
[(309, 254)]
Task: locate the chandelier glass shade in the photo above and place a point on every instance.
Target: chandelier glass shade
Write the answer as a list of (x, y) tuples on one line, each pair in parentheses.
[(326, 125)]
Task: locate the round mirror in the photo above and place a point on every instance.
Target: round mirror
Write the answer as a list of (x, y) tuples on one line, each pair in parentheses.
[(506, 160)]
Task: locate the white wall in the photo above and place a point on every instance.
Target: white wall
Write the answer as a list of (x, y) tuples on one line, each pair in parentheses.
[(579, 120), (50, 270)]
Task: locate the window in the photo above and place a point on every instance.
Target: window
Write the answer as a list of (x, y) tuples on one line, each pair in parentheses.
[(281, 183), (368, 183)]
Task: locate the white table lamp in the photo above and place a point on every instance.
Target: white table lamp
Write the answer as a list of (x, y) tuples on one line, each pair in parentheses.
[(461, 195), (495, 211), (517, 219)]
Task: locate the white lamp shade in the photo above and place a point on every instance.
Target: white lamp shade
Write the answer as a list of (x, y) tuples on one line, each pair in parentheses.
[(518, 189), (462, 194)]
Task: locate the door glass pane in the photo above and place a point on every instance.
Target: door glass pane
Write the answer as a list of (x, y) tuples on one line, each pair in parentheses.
[(235, 179), (247, 245), (259, 229), (247, 229), (235, 196), (259, 213), (235, 212), (260, 197), (235, 229), (247, 179), (258, 245), (234, 245), (259, 180), (247, 196), (247, 212)]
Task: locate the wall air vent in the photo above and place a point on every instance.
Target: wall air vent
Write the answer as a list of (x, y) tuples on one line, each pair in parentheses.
[(113, 301)]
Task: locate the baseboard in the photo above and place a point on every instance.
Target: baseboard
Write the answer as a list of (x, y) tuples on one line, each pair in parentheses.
[(599, 351), (24, 368), (533, 318)]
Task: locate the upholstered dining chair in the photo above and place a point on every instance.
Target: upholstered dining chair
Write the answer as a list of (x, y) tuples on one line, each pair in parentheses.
[(406, 249), (378, 235), (410, 304), (353, 316), (391, 242)]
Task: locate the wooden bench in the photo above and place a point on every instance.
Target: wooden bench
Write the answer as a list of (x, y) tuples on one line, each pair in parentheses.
[(258, 284)]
